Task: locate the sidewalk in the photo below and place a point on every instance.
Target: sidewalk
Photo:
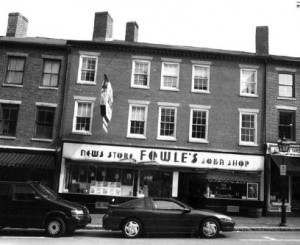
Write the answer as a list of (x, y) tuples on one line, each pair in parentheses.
[(242, 223)]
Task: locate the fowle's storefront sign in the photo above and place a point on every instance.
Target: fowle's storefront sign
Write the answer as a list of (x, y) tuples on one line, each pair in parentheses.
[(103, 153)]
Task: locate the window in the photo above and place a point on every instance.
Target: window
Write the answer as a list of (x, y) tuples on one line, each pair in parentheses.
[(51, 73), (82, 121), (167, 205), (200, 81), (286, 85), (170, 76), (167, 123), (8, 119), (248, 82), (198, 125), (44, 122), (248, 127), (141, 73), (287, 125), (88, 69), (15, 70), (23, 193), (137, 121)]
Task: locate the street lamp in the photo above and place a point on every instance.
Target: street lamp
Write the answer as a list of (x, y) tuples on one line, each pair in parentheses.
[(283, 146)]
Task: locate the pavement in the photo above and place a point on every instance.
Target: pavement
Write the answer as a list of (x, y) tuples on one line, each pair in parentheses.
[(264, 223)]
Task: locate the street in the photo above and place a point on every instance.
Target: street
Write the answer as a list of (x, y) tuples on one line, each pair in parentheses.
[(82, 237)]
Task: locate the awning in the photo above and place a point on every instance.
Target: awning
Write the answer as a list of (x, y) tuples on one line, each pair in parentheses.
[(236, 177), (27, 160), (292, 163)]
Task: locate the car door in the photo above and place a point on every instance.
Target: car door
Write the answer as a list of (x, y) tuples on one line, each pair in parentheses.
[(171, 217), (27, 206)]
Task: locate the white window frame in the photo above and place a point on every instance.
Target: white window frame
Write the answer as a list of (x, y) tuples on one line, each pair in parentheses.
[(208, 79), (203, 109), (162, 87), (84, 132), (89, 56), (143, 104), (133, 85), (252, 112), (172, 106), (241, 82)]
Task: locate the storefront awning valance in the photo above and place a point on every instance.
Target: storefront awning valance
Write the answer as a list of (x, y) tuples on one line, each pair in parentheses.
[(292, 163), (27, 160)]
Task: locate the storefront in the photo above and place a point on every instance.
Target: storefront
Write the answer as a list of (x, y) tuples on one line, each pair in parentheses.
[(97, 175), (281, 183)]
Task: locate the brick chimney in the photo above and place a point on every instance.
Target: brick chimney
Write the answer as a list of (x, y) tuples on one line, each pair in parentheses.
[(262, 40), (132, 30), (103, 26), (17, 25)]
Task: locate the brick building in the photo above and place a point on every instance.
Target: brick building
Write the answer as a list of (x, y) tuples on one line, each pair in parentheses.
[(32, 74), (186, 122)]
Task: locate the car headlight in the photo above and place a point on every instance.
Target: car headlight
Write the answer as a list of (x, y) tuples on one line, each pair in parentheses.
[(77, 213), (224, 218)]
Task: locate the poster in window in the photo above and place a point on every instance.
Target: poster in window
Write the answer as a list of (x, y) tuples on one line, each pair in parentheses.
[(252, 191)]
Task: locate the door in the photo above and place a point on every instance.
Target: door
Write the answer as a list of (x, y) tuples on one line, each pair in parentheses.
[(296, 194), (171, 217), (5, 203)]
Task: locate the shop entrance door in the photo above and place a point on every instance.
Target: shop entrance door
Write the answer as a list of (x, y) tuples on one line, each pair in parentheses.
[(296, 194), (196, 191)]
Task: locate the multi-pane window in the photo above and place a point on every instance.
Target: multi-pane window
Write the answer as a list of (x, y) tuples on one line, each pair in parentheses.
[(198, 125), (8, 119), (15, 70), (44, 122), (200, 78), (51, 73), (167, 123), (137, 121), (141, 73), (248, 82), (286, 85), (170, 76), (248, 128), (83, 117), (88, 69), (287, 125)]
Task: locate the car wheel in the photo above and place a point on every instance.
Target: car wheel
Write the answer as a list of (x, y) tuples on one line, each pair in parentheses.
[(209, 228), (55, 227), (132, 228)]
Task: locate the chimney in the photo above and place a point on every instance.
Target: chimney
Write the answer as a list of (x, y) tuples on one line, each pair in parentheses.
[(262, 40), (103, 26), (17, 25), (132, 30)]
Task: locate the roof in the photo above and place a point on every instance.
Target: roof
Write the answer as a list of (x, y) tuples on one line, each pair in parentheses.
[(34, 40)]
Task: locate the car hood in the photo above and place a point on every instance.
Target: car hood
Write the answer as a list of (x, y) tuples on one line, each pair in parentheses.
[(67, 204), (210, 213)]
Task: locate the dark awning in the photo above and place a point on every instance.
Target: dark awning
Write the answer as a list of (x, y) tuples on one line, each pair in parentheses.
[(27, 160), (292, 163)]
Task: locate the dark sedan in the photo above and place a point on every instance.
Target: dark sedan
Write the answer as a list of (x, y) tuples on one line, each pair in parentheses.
[(164, 215)]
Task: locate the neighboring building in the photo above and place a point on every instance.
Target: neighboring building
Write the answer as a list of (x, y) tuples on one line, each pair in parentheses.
[(186, 122), (282, 117), (32, 75)]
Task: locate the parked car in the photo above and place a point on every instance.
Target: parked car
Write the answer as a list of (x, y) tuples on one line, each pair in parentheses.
[(164, 215), (33, 205)]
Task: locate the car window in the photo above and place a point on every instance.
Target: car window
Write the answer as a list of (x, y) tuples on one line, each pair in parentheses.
[(23, 193), (138, 203), (169, 205), (5, 191)]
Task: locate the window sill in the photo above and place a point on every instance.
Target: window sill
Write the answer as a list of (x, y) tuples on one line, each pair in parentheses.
[(7, 137), (48, 88), (249, 95), (198, 141), (41, 140), (87, 83), (166, 139), (200, 91), (170, 89), (139, 87), (248, 144), (286, 98), (81, 133), (12, 85), (130, 136)]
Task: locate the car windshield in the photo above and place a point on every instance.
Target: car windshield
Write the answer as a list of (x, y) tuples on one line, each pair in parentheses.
[(46, 192)]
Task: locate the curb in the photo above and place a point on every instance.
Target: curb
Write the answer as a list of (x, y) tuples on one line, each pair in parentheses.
[(99, 227)]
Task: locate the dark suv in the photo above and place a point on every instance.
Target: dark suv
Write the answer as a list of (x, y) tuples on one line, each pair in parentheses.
[(32, 205)]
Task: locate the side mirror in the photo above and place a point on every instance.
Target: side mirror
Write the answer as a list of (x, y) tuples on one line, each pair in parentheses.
[(186, 210)]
